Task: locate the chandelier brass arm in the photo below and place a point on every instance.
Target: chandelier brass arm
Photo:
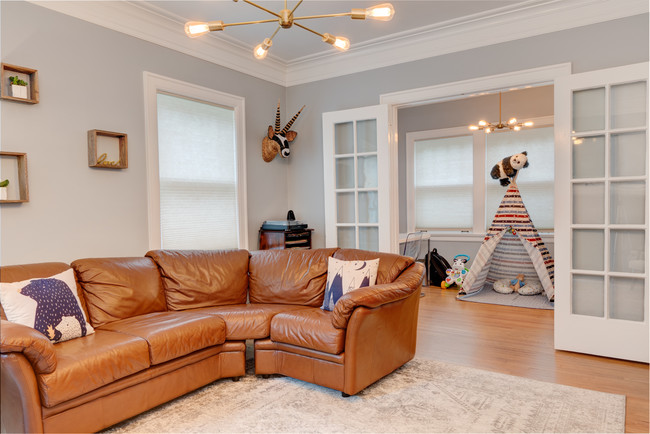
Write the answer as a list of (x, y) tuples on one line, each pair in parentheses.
[(489, 127), (286, 19)]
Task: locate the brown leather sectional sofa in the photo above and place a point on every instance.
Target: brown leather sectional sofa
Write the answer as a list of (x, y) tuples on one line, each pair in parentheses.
[(173, 321)]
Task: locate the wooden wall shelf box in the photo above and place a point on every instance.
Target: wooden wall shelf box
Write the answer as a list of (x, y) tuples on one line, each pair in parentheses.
[(288, 239), (99, 159), (21, 163), (27, 74)]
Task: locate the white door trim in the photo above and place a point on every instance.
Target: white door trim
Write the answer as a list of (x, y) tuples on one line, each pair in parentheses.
[(450, 91)]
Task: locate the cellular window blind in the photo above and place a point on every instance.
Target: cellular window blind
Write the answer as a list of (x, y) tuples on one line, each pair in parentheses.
[(198, 174), (443, 183)]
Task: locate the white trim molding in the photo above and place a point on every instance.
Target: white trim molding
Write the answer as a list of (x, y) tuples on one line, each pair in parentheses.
[(153, 83), (521, 20)]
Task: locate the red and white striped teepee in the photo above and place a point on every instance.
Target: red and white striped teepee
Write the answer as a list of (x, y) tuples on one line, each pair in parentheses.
[(511, 246)]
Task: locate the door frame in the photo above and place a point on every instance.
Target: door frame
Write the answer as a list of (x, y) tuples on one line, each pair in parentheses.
[(534, 77)]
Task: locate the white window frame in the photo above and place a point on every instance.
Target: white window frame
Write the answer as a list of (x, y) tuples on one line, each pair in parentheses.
[(153, 84), (479, 164)]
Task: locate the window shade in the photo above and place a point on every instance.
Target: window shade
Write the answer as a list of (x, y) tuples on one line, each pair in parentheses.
[(443, 183), (536, 182), (198, 174)]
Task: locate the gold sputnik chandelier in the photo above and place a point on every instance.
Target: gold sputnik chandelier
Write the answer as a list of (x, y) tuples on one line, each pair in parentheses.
[(286, 19), (512, 124)]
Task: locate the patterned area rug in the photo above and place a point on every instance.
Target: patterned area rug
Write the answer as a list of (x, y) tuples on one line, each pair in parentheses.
[(422, 396), (490, 296)]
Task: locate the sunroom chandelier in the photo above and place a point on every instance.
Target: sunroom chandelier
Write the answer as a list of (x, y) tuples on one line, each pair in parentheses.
[(286, 19), (512, 124)]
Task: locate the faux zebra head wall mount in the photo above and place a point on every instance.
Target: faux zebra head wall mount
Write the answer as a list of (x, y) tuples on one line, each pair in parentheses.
[(277, 140)]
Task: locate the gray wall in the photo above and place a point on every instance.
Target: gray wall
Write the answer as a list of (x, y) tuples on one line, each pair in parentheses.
[(588, 48), (91, 78)]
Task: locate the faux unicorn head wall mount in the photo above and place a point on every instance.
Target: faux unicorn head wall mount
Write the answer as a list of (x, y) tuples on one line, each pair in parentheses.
[(277, 140)]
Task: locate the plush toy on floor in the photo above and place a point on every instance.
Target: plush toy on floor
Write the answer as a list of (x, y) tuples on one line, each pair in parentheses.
[(517, 285), (506, 169), (517, 282), (456, 273)]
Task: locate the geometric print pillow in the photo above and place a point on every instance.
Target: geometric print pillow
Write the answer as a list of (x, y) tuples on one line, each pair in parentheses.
[(346, 276), (49, 305)]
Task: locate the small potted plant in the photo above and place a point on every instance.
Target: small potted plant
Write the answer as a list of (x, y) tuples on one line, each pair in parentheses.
[(18, 87), (3, 189)]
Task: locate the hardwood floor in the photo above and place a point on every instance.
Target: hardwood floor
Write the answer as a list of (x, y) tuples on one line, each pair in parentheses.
[(519, 341)]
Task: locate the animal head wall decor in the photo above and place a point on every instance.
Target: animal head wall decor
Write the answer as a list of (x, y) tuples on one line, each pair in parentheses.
[(276, 140)]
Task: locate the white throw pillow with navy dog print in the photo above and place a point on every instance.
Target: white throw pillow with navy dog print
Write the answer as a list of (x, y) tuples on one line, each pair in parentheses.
[(50, 305), (346, 276)]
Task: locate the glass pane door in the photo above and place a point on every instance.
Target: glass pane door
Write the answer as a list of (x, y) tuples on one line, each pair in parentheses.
[(357, 180), (608, 225), (355, 153), (602, 240)]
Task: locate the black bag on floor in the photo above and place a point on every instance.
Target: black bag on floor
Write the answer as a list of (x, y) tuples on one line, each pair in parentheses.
[(437, 267)]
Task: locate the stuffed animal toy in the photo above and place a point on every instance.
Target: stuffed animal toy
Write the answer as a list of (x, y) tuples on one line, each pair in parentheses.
[(276, 140), (456, 273), (517, 282), (507, 168)]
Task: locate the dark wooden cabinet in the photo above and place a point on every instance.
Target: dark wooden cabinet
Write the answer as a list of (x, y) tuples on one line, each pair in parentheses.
[(288, 239)]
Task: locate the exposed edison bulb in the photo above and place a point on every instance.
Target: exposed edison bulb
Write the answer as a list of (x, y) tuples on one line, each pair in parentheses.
[(262, 49), (512, 121), (528, 124), (517, 127), (488, 130), (482, 123), (339, 42), (194, 29), (382, 12), (342, 43), (473, 127)]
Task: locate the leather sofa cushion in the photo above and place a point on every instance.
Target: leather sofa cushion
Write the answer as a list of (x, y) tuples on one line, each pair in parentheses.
[(88, 363), (248, 321), (308, 328), (201, 278), (390, 265), (173, 334), (289, 276), (118, 288)]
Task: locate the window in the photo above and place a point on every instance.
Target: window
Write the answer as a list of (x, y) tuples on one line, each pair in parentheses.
[(449, 187), (195, 167), (444, 183)]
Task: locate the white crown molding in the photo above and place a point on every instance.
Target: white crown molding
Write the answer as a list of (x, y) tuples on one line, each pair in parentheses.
[(149, 25), (531, 18)]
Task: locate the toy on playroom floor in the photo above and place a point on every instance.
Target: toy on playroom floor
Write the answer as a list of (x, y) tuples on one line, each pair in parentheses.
[(456, 273), (519, 285), (506, 169), (517, 282)]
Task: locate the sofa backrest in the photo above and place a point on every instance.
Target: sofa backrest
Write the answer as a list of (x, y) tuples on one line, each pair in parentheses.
[(202, 278), (390, 265), (118, 288), (289, 276)]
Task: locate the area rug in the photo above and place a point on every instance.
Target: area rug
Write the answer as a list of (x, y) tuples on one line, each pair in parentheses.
[(490, 296), (422, 396)]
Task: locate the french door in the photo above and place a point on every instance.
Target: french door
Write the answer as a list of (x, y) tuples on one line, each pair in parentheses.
[(601, 242), (358, 177)]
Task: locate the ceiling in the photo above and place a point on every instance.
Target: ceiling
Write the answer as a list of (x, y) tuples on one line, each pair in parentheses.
[(294, 44), (420, 29)]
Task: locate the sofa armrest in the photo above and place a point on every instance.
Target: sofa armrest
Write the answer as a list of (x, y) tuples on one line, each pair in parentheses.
[(17, 338), (375, 296)]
